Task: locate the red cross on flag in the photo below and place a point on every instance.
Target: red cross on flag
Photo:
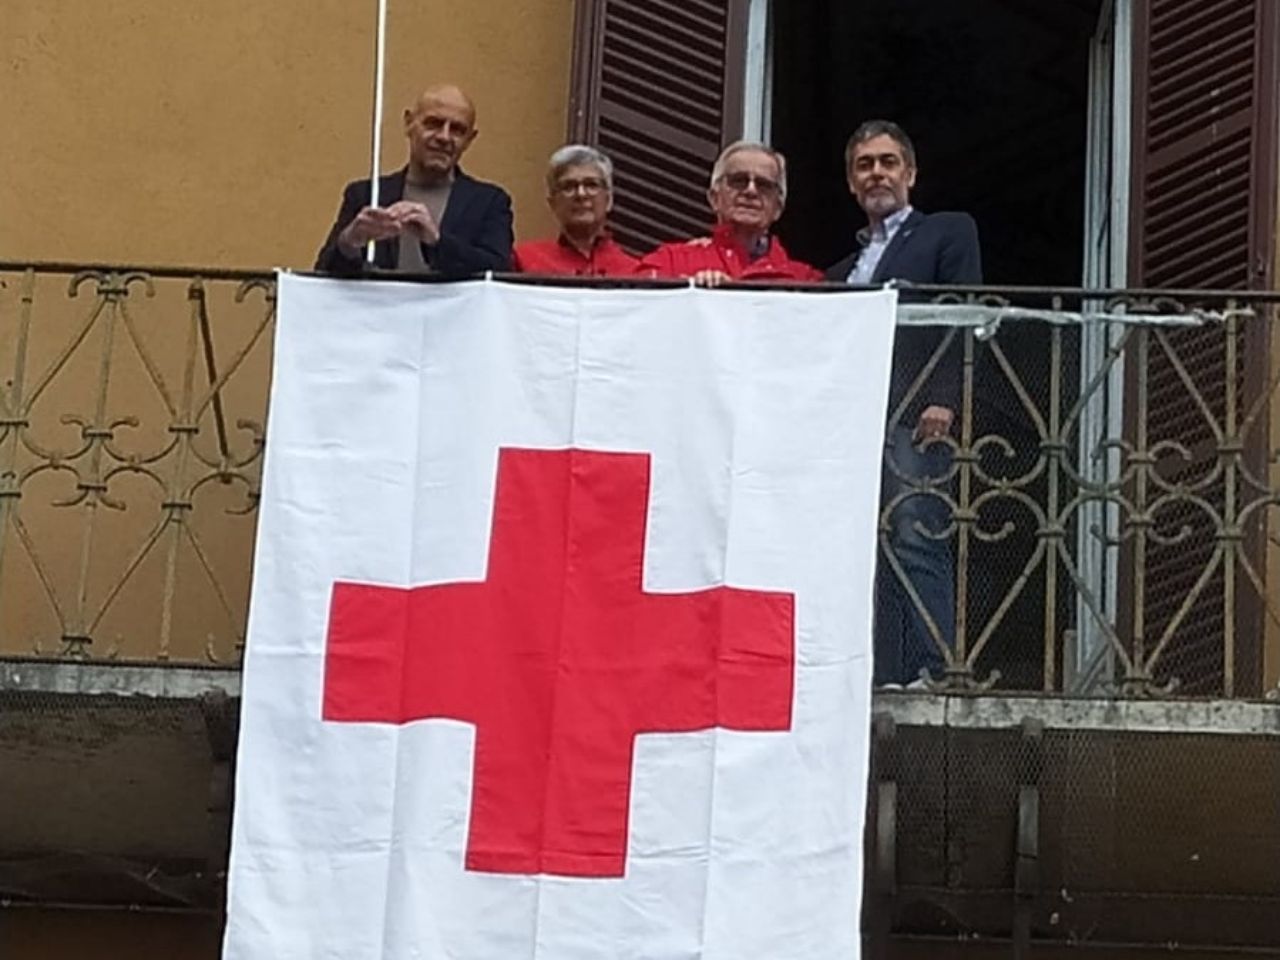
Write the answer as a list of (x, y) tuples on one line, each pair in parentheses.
[(560, 636)]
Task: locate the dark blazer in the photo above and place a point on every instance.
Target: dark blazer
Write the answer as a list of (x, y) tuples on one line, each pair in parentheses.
[(475, 231), (928, 248)]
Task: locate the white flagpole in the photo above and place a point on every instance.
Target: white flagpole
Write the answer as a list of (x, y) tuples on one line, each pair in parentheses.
[(379, 76)]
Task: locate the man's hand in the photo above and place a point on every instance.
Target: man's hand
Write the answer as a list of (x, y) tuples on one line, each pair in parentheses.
[(416, 220), (371, 223), (710, 278), (934, 423)]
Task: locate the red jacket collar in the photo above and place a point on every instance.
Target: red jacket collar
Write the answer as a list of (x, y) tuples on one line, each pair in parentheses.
[(602, 240), (724, 237)]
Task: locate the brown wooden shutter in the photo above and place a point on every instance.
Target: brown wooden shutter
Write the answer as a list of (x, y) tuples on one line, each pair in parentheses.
[(1203, 217), (658, 87)]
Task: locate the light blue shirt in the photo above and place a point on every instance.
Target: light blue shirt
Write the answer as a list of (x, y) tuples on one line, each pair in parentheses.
[(874, 242)]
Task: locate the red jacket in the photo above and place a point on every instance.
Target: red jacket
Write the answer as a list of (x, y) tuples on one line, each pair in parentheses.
[(561, 258), (721, 252)]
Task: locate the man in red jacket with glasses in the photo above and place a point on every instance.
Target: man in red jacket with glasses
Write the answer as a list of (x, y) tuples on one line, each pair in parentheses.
[(748, 192)]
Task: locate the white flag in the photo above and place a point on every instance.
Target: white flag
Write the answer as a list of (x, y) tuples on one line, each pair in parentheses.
[(560, 641)]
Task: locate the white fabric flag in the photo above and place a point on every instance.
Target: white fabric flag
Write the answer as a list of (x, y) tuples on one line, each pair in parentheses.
[(559, 645)]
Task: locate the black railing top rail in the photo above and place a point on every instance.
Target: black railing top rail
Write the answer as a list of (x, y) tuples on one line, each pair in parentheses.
[(152, 270), (1007, 292)]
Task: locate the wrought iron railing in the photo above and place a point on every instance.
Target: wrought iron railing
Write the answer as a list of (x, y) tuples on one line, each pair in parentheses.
[(131, 427), (1110, 493)]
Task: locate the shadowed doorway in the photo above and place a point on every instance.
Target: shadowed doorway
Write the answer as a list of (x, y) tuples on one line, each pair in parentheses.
[(996, 96)]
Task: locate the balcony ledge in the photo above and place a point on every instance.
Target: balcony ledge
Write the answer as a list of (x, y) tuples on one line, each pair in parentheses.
[(988, 711)]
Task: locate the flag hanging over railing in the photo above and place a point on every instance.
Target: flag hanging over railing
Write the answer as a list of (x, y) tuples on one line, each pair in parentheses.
[(560, 642)]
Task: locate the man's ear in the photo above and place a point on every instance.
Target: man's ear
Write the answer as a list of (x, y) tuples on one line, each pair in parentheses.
[(408, 119), (911, 177)]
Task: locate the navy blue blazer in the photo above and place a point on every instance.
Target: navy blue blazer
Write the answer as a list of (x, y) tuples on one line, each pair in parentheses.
[(928, 248), (475, 231)]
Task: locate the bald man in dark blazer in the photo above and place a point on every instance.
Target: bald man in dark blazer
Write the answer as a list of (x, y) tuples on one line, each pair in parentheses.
[(430, 216)]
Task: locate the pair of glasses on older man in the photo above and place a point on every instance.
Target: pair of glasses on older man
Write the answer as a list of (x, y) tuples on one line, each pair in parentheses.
[(740, 181)]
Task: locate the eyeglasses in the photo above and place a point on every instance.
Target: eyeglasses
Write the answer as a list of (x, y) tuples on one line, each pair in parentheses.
[(740, 181), (588, 185)]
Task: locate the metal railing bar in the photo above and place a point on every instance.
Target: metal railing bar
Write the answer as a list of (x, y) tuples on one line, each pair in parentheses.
[(267, 273)]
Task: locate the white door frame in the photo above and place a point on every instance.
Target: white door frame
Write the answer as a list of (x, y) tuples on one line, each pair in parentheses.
[(1089, 661), (757, 99)]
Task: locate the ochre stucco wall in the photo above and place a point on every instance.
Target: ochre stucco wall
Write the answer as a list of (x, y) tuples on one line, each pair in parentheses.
[(155, 132), (221, 133), (149, 132)]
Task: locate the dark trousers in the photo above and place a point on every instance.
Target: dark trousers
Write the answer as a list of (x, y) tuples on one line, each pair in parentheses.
[(904, 644)]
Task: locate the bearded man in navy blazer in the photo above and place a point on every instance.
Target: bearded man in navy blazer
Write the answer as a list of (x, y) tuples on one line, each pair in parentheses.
[(901, 243), (430, 215)]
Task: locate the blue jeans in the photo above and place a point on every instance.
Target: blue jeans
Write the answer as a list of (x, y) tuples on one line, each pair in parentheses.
[(904, 644)]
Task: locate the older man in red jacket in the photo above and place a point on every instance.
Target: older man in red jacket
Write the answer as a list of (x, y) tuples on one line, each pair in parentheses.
[(748, 192)]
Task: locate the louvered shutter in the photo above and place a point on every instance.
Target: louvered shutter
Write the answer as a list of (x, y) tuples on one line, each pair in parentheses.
[(1203, 217), (658, 87)]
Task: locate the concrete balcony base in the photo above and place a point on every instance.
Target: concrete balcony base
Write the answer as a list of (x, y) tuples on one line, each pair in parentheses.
[(1050, 821), (993, 818), (117, 783)]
